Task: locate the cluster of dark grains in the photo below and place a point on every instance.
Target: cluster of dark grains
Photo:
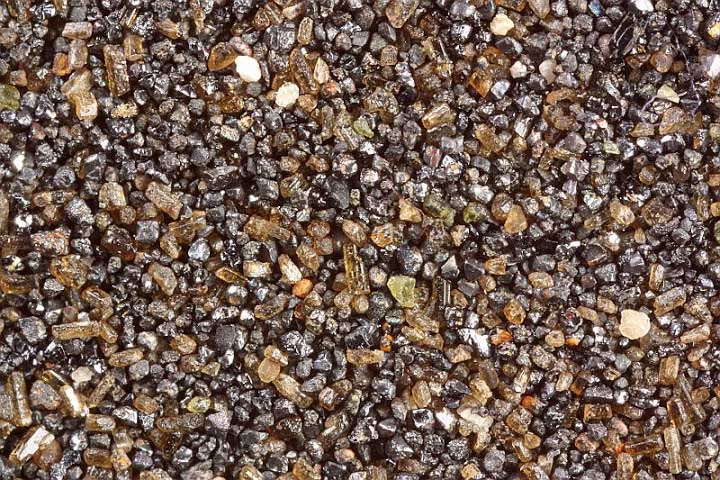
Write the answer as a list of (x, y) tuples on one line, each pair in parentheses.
[(359, 239)]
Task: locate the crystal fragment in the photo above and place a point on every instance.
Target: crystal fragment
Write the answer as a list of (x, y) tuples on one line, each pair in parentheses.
[(287, 95), (163, 198), (77, 30), (86, 107), (4, 212), (480, 390), (437, 116), (683, 389), (69, 270), (99, 423), (262, 229), (645, 446), (164, 277), (248, 472), (399, 11), (355, 232), (597, 412), (669, 369), (622, 214), (458, 354), (291, 273), (696, 335), (488, 138), (29, 444), (271, 308), (183, 344), (14, 284), (481, 81), (78, 54), (74, 403), (120, 460), (16, 387), (101, 390), (97, 457), (362, 356), (168, 28), (111, 196), (252, 269), (691, 458), (673, 446), (421, 394), (439, 208), (669, 301), (199, 404), (303, 470), (41, 395), (146, 404), (409, 212), (50, 243), (125, 358), (229, 275), (517, 5), (116, 67), (302, 73), (656, 277), (47, 455), (133, 47), (541, 8), (305, 31), (514, 312), (625, 466), (289, 388), (356, 277)]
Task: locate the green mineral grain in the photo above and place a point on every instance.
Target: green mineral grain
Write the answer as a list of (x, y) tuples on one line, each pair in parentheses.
[(9, 97), (436, 207), (402, 289)]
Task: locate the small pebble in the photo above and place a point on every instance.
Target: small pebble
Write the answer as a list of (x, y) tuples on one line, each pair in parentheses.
[(501, 24), (634, 324), (644, 6), (287, 95), (248, 69)]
